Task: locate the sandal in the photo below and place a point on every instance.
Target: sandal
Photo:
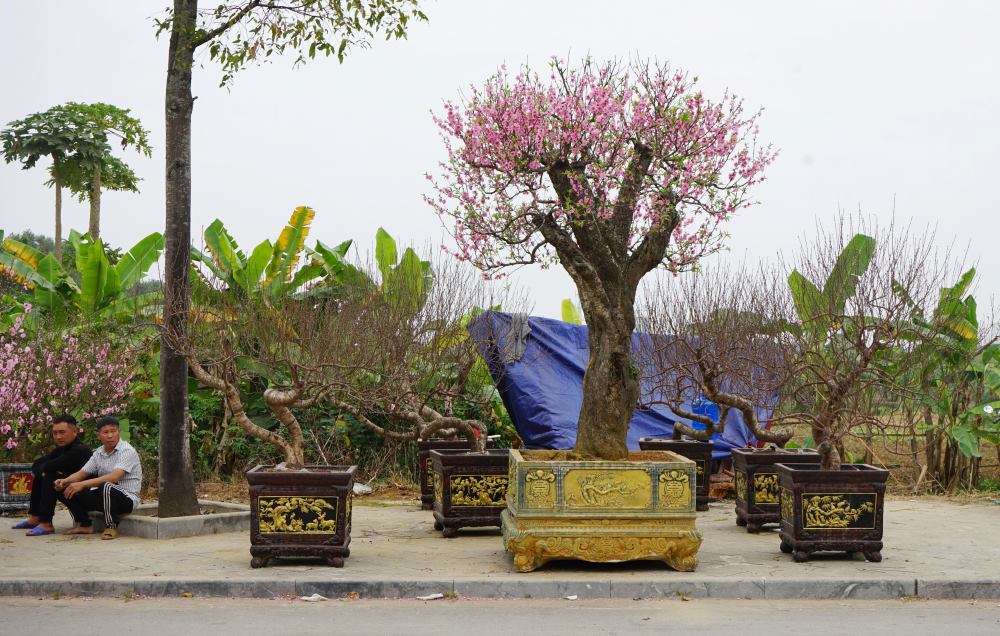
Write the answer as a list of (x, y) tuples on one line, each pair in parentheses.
[(23, 525), (38, 531), (109, 533)]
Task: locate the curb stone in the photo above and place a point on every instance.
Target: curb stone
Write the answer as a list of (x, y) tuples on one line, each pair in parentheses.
[(878, 589)]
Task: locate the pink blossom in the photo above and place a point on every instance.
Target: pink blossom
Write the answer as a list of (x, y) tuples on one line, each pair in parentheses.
[(524, 151)]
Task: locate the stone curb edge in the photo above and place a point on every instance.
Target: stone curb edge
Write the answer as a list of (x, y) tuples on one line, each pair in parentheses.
[(812, 589)]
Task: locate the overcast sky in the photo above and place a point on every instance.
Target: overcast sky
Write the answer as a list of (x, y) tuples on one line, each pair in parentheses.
[(873, 105)]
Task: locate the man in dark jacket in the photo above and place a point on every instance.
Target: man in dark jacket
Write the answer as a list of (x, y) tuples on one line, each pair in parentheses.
[(69, 455)]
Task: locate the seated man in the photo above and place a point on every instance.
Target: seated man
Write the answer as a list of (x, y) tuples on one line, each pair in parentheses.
[(110, 482), (69, 455)]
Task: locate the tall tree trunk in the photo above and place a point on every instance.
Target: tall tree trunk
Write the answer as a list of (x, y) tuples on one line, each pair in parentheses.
[(177, 493), (610, 383), (95, 205), (58, 179)]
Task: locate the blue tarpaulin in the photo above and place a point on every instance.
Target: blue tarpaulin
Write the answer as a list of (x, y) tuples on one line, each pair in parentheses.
[(538, 365)]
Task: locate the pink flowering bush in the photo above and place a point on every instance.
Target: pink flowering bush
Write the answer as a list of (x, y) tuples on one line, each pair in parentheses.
[(609, 170), (42, 375)]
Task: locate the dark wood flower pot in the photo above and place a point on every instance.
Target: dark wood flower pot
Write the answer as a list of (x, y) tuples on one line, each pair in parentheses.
[(698, 451), (470, 489), (15, 486), (757, 482), (823, 510), (300, 514), (424, 448)]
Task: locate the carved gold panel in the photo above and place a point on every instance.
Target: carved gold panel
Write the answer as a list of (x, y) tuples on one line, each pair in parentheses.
[(786, 506), (19, 483), (540, 489), (308, 515), (741, 485), (675, 489), (840, 511), (478, 490), (428, 470), (765, 488), (438, 487), (595, 488)]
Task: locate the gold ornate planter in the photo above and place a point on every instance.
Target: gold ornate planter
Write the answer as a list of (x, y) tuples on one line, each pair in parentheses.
[(642, 508), (300, 514), (470, 489), (757, 482), (15, 486)]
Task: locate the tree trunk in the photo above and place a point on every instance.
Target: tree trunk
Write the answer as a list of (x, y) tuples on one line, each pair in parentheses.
[(95, 205), (177, 493), (610, 383), (58, 179)]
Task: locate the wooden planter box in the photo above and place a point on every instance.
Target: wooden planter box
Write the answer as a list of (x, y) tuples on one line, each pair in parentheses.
[(697, 451), (757, 482), (603, 511), (15, 486), (823, 510), (300, 514), (426, 477), (470, 489)]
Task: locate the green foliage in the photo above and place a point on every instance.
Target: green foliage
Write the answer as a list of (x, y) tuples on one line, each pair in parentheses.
[(59, 132), (570, 313), (271, 270), (407, 279), (78, 176), (102, 290), (239, 34), (815, 307)]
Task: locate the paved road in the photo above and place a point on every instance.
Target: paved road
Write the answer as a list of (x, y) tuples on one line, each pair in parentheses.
[(224, 617)]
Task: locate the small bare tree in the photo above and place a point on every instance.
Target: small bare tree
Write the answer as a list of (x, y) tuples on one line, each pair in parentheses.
[(395, 356), (721, 337), (852, 331)]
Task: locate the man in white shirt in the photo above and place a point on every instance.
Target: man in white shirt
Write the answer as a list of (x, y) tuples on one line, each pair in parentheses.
[(109, 482)]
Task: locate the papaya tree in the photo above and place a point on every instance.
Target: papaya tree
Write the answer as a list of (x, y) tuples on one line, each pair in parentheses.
[(58, 133), (610, 170), (237, 34)]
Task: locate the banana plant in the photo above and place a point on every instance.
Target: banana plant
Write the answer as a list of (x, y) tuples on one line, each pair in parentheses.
[(271, 270), (103, 290), (816, 307), (570, 312), (406, 279)]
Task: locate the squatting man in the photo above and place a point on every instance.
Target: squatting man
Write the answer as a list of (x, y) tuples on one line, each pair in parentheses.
[(109, 482)]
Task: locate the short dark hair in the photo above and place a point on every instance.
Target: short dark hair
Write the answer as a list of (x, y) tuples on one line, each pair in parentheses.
[(107, 420), (65, 418)]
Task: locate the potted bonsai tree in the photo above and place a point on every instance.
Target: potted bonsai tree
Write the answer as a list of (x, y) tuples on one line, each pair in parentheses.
[(725, 345), (610, 170), (848, 333), (384, 348), (418, 381)]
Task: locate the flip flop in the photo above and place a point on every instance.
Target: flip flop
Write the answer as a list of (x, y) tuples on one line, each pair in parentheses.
[(38, 531), (23, 525), (109, 533)]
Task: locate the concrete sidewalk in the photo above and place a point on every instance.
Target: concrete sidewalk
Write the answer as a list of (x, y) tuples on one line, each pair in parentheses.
[(933, 549)]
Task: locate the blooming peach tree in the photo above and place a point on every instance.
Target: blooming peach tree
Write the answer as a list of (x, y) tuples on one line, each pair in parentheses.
[(40, 378), (610, 170)]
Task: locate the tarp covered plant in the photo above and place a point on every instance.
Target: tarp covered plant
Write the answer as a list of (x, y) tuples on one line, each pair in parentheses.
[(722, 340), (610, 170)]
